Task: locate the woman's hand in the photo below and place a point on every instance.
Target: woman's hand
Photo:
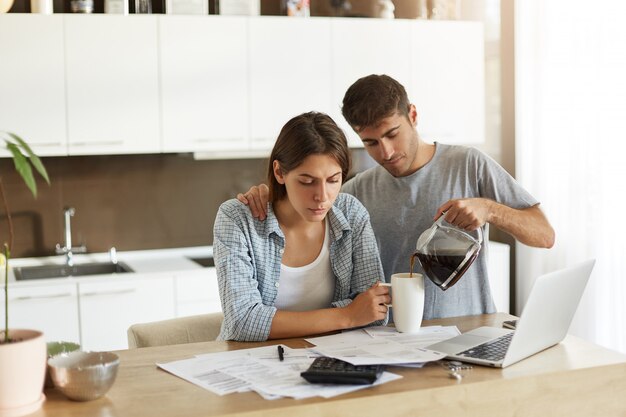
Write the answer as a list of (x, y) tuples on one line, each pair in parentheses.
[(369, 306)]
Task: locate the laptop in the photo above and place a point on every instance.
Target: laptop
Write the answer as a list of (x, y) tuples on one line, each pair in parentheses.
[(544, 322)]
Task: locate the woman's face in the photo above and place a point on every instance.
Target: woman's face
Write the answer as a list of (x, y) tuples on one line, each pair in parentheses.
[(313, 186)]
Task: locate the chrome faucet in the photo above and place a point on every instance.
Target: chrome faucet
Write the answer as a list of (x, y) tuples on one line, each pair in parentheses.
[(68, 250)]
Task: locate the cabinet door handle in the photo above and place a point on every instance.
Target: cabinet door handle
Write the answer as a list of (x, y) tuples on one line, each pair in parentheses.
[(42, 297), (264, 140), (111, 292), (210, 140), (47, 144), (98, 143)]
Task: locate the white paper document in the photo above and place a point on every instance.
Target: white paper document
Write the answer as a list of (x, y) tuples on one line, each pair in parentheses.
[(426, 336), (384, 345), (354, 337), (379, 351), (208, 373)]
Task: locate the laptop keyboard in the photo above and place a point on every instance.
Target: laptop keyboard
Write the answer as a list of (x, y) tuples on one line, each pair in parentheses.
[(493, 350)]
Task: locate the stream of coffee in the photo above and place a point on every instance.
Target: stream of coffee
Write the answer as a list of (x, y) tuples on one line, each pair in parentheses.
[(412, 264)]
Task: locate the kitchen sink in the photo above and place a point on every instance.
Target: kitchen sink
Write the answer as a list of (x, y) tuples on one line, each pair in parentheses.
[(207, 261), (60, 271)]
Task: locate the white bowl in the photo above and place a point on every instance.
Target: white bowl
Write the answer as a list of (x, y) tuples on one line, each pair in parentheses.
[(84, 376)]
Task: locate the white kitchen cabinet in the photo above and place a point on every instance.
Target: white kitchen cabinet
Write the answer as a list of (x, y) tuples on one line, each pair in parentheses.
[(197, 292), (448, 81), (204, 83), (108, 308), (360, 47), (112, 84), (50, 308), (107, 84), (498, 264), (290, 73), (32, 81)]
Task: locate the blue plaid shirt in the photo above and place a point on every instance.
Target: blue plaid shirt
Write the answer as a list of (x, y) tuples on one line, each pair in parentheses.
[(248, 254)]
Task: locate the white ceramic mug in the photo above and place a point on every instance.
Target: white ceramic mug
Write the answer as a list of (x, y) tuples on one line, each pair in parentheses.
[(41, 6), (407, 301)]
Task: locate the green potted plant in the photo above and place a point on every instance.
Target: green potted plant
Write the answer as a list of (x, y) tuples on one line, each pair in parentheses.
[(22, 352)]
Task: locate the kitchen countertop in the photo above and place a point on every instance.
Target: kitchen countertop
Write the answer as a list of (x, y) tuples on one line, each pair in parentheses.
[(151, 261)]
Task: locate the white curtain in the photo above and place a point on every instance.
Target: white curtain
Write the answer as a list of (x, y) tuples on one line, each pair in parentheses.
[(571, 150)]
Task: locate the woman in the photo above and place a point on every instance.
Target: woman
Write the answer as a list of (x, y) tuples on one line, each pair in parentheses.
[(313, 265)]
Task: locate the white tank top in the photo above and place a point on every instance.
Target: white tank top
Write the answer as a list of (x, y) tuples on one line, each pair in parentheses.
[(308, 287)]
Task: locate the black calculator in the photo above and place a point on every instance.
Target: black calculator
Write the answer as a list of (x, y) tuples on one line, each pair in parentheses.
[(325, 370)]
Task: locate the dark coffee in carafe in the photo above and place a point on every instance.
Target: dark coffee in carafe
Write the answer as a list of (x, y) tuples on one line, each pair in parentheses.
[(446, 252), (445, 270)]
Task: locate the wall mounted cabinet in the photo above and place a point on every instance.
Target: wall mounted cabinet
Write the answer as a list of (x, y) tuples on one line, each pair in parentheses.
[(112, 84), (32, 81), (448, 81), (204, 83), (106, 84), (290, 73), (367, 46)]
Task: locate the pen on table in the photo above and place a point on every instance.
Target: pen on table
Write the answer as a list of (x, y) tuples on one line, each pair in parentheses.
[(281, 352)]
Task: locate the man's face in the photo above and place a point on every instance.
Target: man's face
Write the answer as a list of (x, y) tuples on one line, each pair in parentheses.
[(393, 143)]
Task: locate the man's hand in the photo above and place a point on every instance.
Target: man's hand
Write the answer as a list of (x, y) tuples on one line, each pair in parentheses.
[(466, 213), (256, 198), (529, 225), (369, 306)]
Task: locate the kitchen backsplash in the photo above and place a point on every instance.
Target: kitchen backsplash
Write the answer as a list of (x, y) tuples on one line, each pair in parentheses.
[(129, 201)]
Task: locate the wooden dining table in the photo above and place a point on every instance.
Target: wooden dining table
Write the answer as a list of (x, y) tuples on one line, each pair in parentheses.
[(572, 378)]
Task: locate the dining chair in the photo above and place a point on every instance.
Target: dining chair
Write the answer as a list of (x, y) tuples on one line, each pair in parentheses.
[(191, 329)]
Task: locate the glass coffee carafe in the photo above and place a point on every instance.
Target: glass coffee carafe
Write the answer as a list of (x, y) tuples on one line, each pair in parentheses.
[(446, 252)]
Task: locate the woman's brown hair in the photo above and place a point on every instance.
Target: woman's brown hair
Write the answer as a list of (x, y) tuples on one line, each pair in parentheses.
[(310, 133)]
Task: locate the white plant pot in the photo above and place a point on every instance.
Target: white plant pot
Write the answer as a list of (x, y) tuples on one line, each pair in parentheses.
[(22, 373)]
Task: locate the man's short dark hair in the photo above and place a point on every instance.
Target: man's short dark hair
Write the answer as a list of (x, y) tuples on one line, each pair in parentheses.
[(371, 99)]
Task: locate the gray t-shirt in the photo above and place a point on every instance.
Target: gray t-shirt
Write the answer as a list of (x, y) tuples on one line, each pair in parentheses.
[(402, 208)]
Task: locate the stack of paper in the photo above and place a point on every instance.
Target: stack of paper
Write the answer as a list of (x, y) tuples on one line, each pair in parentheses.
[(261, 370)]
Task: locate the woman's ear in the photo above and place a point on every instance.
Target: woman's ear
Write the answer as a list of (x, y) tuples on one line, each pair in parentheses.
[(278, 173)]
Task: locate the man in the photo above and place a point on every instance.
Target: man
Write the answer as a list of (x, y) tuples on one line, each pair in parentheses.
[(416, 182)]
